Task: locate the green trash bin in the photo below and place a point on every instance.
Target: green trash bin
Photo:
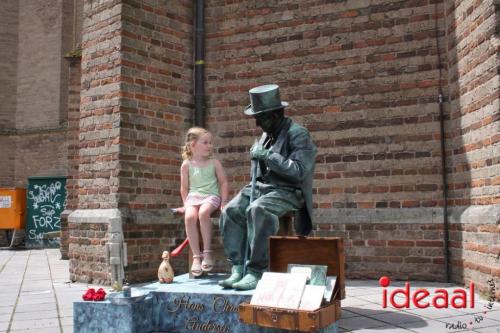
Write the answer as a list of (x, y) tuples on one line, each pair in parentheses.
[(46, 199)]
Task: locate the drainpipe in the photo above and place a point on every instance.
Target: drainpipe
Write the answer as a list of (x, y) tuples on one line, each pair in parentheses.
[(199, 66), (445, 188), (443, 149)]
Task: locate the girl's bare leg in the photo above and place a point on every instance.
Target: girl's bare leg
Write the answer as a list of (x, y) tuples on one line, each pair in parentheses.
[(206, 233), (191, 223)]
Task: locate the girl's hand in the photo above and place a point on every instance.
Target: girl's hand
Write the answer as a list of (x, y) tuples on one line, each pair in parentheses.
[(178, 210)]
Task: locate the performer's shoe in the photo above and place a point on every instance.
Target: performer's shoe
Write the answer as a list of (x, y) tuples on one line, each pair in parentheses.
[(248, 282), (236, 275)]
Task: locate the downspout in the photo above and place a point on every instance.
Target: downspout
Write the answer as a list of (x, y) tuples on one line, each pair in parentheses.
[(443, 148), (199, 65), (445, 188)]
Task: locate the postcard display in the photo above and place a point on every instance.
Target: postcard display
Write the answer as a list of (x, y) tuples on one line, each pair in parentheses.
[(298, 255), (200, 305)]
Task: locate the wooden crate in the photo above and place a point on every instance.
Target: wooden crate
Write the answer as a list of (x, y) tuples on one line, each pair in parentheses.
[(327, 251)]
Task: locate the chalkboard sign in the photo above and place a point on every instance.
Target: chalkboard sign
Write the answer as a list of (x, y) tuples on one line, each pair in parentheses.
[(46, 199)]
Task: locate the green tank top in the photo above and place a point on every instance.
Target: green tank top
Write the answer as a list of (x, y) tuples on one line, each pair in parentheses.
[(203, 180)]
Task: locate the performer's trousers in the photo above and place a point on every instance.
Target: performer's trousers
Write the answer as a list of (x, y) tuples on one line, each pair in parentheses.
[(243, 223)]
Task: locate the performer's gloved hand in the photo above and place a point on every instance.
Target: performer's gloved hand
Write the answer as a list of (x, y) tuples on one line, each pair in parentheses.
[(259, 153)]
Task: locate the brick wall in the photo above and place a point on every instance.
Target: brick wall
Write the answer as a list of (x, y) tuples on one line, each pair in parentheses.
[(33, 108), (41, 153), (364, 80), (473, 169), (8, 151), (9, 15), (40, 60), (9, 11)]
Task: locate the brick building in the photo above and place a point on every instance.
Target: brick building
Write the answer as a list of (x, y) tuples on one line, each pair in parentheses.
[(364, 79)]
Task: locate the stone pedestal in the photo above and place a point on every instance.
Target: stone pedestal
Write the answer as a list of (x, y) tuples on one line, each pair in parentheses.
[(187, 305)]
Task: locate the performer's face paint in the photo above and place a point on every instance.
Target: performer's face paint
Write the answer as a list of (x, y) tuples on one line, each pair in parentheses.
[(266, 121)]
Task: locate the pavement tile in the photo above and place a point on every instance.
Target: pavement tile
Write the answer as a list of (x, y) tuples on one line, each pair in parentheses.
[(495, 315), (368, 309), (433, 313), (488, 330), (374, 298), (429, 326), (353, 301), (67, 329), (6, 309), (37, 294), (40, 314), (473, 321), (67, 321), (35, 307), (35, 324), (4, 325), (396, 318), (350, 292), (348, 314), (381, 329), (38, 330), (8, 302), (8, 287), (356, 323), (66, 312), (41, 301)]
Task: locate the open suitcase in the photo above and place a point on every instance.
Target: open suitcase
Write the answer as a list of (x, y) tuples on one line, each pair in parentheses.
[(327, 251)]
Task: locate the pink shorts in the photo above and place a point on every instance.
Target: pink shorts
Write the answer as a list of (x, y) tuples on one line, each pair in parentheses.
[(196, 199)]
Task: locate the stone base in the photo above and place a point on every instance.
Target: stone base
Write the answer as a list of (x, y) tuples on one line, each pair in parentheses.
[(187, 305)]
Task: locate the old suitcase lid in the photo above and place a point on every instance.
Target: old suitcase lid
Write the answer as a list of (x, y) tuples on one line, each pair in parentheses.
[(327, 251)]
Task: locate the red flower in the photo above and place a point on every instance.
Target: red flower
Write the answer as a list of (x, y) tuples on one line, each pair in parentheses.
[(100, 295), (92, 295), (89, 295)]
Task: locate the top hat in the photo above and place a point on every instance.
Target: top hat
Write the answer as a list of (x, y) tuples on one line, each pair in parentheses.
[(264, 99)]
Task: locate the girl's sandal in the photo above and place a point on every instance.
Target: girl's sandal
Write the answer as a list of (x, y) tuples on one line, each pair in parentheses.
[(196, 267), (208, 262)]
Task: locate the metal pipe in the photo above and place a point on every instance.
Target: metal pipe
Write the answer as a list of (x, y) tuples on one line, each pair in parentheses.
[(445, 190), (199, 65), (446, 239)]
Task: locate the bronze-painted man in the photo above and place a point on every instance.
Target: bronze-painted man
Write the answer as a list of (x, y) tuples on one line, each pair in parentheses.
[(285, 155)]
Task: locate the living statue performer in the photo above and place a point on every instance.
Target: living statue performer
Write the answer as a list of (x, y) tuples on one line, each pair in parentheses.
[(285, 156)]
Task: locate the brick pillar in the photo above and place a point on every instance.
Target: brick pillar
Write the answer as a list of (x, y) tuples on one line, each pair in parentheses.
[(136, 78)]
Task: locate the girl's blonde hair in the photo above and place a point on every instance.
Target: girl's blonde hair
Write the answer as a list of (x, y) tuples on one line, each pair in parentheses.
[(193, 134)]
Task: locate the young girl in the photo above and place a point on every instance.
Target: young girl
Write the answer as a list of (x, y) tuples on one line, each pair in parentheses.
[(204, 188)]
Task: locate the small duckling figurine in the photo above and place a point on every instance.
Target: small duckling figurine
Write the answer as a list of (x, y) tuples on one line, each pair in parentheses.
[(165, 271)]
